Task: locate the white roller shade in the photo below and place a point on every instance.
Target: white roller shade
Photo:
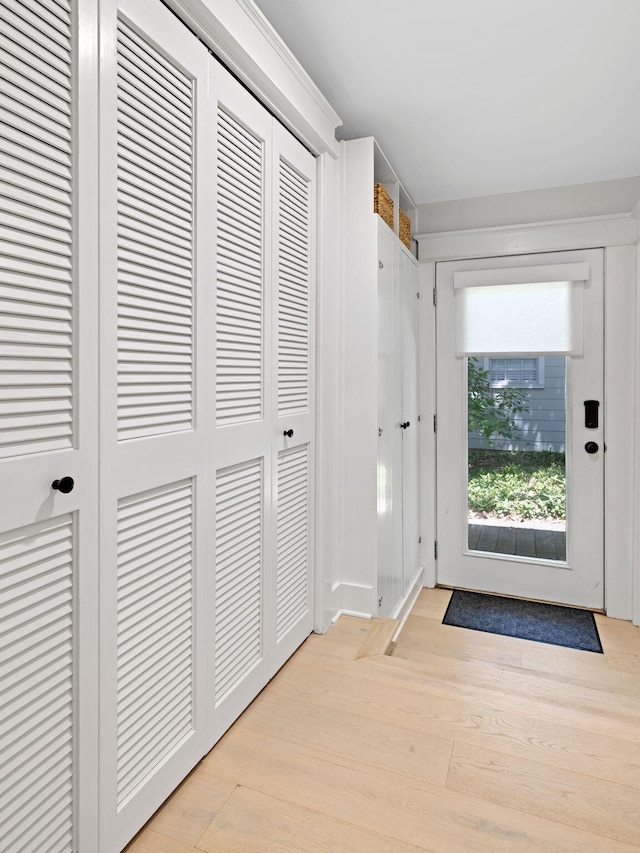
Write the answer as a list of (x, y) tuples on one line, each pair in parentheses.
[(520, 311)]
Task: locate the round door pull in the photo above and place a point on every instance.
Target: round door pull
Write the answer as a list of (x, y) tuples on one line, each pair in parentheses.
[(288, 433), (591, 447), (65, 485)]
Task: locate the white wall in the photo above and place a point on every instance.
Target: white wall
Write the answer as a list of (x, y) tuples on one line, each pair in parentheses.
[(603, 198)]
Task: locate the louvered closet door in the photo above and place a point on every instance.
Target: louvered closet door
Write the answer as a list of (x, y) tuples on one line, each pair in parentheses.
[(155, 386), (47, 428), (293, 409), (242, 471)]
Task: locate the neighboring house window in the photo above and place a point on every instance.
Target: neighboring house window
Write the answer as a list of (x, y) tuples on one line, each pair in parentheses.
[(521, 372)]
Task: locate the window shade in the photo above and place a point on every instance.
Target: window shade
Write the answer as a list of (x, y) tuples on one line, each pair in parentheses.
[(526, 310)]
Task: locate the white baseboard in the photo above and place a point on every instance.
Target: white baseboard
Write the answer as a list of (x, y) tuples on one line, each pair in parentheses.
[(355, 600), (403, 610)]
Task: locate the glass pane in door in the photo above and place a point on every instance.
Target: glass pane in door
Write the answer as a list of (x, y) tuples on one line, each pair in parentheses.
[(516, 455)]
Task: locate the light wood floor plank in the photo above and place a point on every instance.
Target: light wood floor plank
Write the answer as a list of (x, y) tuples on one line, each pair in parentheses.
[(464, 669), (256, 822), (378, 639), (519, 727), (150, 841), (604, 808), (417, 813), (192, 807), (349, 735)]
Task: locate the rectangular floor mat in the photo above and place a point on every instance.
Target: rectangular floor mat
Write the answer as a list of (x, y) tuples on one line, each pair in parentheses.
[(529, 620)]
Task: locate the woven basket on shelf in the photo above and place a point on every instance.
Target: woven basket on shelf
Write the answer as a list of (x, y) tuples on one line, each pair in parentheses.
[(404, 228), (383, 204)]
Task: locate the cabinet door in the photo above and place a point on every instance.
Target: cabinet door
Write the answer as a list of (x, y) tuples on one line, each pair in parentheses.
[(408, 308), (293, 401), (389, 429), (155, 211), (47, 431)]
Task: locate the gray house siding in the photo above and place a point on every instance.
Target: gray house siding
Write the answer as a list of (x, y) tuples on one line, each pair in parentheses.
[(543, 426)]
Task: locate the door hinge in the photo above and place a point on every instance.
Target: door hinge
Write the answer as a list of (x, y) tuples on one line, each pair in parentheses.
[(435, 550), (435, 423), (380, 265), (435, 296), (419, 418), (419, 540), (418, 294), (379, 601)]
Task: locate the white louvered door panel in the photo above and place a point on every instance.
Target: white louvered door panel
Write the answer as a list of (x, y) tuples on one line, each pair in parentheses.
[(239, 574), (243, 623), (293, 409), (155, 629), (293, 579), (156, 133), (48, 417), (37, 787)]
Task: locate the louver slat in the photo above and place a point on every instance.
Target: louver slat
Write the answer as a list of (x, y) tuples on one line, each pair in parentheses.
[(294, 307), (239, 532), (240, 274), (155, 242), (292, 538), (155, 629), (36, 275), (37, 687)]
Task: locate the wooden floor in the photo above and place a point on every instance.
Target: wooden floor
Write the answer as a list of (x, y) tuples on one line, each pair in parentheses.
[(518, 540), (461, 741)]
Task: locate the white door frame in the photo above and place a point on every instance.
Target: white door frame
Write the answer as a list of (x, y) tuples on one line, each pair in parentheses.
[(578, 579), (617, 235)]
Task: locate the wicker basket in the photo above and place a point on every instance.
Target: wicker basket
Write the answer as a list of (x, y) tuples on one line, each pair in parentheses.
[(404, 228), (383, 204)]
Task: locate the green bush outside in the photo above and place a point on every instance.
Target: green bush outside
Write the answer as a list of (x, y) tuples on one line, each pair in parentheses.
[(517, 484)]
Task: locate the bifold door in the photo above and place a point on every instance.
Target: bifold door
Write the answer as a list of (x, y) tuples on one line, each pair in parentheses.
[(155, 511), (48, 451), (207, 406), (262, 451)]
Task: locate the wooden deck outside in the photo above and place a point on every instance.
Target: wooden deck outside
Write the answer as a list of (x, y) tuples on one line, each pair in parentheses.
[(518, 540), (461, 741)]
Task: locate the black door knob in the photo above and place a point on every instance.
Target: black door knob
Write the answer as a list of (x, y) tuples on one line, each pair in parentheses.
[(65, 485), (591, 447), (288, 433), (405, 425)]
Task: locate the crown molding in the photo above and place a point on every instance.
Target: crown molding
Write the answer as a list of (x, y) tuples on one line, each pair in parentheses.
[(556, 235), (280, 48), (242, 38)]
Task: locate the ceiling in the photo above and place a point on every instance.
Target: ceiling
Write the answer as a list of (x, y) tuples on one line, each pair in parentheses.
[(471, 98)]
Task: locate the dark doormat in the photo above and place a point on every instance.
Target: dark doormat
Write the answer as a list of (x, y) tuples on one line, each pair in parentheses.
[(529, 620)]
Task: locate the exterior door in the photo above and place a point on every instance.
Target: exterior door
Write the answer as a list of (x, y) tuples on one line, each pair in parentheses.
[(513, 409)]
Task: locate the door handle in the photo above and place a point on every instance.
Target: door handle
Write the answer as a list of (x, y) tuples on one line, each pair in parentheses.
[(405, 425), (591, 447), (64, 485), (288, 433)]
